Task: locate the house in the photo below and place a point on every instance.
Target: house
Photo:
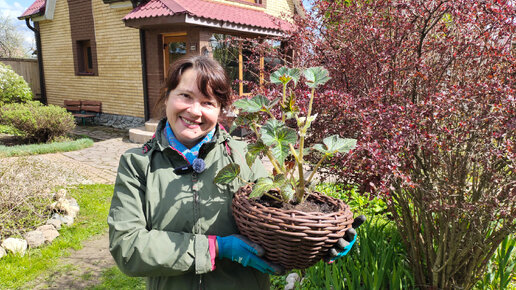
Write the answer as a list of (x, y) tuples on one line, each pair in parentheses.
[(118, 52)]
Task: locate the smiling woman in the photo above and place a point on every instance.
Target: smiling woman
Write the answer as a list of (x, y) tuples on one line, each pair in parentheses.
[(168, 219)]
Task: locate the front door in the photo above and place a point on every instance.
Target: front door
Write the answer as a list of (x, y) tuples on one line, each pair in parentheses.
[(174, 47)]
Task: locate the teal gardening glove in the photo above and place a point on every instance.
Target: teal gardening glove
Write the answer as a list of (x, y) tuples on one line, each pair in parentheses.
[(240, 249), (345, 244)]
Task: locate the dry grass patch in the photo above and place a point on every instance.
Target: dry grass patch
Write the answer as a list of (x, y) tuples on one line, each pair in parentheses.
[(27, 185)]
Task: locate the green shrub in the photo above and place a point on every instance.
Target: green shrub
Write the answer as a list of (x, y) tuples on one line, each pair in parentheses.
[(41, 124), (377, 261), (13, 88)]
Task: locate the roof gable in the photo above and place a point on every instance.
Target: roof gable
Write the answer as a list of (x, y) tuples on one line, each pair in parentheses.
[(207, 10), (36, 9)]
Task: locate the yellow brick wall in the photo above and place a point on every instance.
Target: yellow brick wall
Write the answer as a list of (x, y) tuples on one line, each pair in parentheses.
[(278, 8), (119, 83)]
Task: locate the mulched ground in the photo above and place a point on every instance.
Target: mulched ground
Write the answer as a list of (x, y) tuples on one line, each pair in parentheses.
[(11, 140)]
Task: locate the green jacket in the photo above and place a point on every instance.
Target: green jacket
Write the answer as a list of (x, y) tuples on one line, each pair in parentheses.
[(159, 221)]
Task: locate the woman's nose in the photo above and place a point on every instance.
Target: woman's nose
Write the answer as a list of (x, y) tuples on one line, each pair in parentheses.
[(195, 109)]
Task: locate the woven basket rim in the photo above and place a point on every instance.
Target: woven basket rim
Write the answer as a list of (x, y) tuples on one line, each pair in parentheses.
[(275, 210)]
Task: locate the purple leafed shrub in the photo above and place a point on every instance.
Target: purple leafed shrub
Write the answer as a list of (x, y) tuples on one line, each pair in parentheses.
[(428, 89)]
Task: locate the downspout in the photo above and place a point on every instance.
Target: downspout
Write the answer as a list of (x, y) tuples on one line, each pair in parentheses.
[(40, 60), (143, 52)]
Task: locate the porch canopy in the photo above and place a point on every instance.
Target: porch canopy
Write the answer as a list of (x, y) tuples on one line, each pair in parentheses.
[(160, 13)]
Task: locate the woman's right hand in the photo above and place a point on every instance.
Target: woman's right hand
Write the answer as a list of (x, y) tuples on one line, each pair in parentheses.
[(240, 249)]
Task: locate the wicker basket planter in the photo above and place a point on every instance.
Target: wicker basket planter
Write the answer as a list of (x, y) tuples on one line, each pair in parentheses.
[(291, 238)]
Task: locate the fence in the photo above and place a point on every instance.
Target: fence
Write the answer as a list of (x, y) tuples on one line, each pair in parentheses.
[(28, 69)]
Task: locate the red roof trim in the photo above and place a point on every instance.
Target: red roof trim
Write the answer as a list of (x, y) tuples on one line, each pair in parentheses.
[(208, 10), (37, 8)]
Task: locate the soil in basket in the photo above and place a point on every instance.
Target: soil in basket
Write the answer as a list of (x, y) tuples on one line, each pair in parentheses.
[(308, 205)]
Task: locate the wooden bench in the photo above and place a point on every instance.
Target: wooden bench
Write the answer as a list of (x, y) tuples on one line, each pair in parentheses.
[(83, 109)]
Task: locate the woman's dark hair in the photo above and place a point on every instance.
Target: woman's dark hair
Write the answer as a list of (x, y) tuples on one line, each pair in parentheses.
[(211, 80)]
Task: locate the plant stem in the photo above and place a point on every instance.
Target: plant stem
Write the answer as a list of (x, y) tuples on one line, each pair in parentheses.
[(268, 153), (312, 94), (300, 190), (270, 114), (315, 169), (283, 101), (273, 197)]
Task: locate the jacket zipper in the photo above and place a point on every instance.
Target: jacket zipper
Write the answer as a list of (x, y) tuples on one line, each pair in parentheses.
[(196, 212)]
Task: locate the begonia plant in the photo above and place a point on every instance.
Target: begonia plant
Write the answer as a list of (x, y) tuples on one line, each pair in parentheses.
[(284, 146)]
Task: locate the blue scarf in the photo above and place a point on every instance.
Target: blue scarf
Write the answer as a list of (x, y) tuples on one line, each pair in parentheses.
[(190, 154)]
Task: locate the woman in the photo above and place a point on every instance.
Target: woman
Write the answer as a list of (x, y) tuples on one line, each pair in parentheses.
[(168, 220)]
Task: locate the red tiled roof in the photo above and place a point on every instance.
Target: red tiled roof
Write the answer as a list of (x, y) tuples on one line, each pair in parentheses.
[(209, 10), (38, 7)]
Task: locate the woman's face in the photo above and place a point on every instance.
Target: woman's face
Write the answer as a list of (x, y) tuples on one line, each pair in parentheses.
[(190, 113)]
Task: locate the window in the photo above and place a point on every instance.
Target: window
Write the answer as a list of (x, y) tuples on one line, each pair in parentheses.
[(82, 30), (85, 57), (255, 2)]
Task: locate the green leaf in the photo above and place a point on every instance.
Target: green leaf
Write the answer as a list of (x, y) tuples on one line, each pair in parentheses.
[(280, 152), (280, 76), (253, 150), (275, 133), (246, 119), (227, 174), (295, 74), (316, 76), (253, 105), (263, 185), (285, 75), (320, 148), (287, 192), (334, 144)]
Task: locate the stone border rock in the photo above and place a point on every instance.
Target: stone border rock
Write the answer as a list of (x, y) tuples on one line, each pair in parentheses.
[(65, 210)]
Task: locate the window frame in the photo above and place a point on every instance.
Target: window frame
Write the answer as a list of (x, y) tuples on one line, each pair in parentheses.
[(258, 3), (85, 57)]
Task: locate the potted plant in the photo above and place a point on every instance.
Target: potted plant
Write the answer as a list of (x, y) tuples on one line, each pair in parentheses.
[(294, 224)]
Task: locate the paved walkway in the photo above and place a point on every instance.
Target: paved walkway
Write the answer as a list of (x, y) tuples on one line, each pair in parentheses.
[(103, 157)]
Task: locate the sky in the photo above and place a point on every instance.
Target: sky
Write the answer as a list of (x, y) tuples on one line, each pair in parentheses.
[(15, 8)]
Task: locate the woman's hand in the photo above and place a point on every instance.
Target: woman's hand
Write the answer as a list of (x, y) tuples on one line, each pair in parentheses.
[(240, 249), (345, 244)]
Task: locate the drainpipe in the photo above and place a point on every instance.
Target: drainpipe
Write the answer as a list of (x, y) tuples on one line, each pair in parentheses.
[(144, 69), (35, 29)]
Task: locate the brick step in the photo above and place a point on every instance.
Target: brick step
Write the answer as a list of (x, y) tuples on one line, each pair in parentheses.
[(151, 125), (140, 135)]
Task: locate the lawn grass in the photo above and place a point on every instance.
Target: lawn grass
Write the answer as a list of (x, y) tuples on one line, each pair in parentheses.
[(94, 201), (113, 278), (33, 149)]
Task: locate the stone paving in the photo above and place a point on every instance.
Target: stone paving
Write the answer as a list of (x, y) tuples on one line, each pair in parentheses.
[(104, 155)]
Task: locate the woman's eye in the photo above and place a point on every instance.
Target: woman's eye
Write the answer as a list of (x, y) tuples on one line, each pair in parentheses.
[(209, 104)]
